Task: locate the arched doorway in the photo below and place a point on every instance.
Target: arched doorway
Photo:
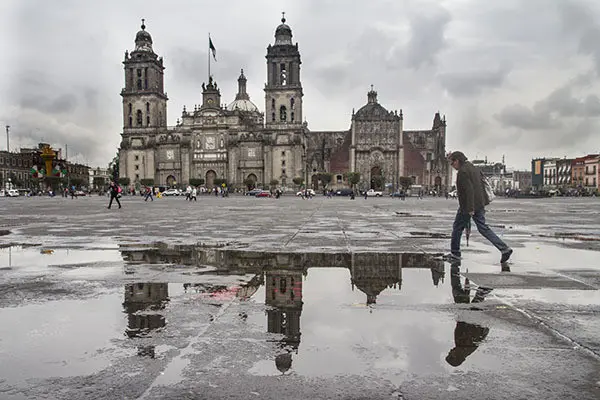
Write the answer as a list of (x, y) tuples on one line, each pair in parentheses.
[(376, 178), (171, 181), (251, 181), (315, 181), (210, 178)]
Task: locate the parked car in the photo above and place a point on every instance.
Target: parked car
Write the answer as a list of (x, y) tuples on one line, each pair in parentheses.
[(344, 192), (310, 192), (79, 193), (253, 192), (263, 193), (374, 193), (399, 193), (171, 192), (12, 193)]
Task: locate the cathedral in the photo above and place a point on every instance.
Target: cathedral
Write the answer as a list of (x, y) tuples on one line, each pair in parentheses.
[(238, 144)]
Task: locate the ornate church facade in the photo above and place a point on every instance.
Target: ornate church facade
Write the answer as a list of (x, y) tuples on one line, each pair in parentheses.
[(239, 144)]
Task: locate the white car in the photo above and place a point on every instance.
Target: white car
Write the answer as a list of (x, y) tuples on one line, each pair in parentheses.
[(10, 193), (310, 192), (171, 192), (374, 193)]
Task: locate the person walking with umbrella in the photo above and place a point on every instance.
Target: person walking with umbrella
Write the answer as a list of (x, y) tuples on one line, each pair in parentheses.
[(472, 201)]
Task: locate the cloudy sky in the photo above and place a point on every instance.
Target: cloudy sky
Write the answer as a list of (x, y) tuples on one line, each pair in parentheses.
[(514, 78)]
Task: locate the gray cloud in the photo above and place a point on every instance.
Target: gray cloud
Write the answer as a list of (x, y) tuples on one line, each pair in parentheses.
[(427, 36), (469, 83), (519, 116)]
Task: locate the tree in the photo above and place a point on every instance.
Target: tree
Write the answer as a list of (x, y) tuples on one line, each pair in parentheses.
[(220, 181), (250, 183), (353, 178), (325, 178), (377, 182), (196, 181), (405, 182), (147, 182), (298, 180), (274, 183), (113, 167), (124, 181)]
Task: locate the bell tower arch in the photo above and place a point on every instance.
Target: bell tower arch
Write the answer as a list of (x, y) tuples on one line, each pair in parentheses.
[(283, 90)]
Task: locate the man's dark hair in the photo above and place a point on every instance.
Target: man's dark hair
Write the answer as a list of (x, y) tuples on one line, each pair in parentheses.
[(458, 155)]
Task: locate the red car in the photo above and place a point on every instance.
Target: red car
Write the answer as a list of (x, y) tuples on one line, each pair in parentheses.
[(264, 193)]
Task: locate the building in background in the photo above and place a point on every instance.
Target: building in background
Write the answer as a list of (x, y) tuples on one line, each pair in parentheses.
[(99, 178), (240, 145), (24, 169), (537, 174)]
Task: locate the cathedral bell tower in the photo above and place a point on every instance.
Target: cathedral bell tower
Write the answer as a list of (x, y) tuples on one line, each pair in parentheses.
[(144, 99), (283, 90)]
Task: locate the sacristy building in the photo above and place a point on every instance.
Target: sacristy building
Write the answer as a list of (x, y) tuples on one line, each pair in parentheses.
[(246, 146)]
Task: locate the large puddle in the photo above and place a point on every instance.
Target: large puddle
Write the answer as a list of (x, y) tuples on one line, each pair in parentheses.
[(324, 313)]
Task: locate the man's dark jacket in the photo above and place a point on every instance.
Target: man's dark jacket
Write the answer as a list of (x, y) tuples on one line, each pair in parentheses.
[(471, 196)]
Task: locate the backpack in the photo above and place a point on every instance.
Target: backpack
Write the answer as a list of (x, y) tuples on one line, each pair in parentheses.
[(488, 192)]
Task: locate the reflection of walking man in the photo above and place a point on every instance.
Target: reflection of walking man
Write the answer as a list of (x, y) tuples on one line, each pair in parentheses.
[(114, 194), (466, 340), (472, 201)]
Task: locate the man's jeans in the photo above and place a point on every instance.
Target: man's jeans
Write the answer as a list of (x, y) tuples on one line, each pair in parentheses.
[(460, 222)]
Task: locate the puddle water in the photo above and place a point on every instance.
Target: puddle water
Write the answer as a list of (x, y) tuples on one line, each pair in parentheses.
[(325, 314)]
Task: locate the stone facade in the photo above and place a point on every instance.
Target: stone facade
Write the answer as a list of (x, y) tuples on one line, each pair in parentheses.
[(245, 147)]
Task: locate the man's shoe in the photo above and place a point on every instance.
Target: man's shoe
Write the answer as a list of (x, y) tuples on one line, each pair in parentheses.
[(451, 257), (506, 255)]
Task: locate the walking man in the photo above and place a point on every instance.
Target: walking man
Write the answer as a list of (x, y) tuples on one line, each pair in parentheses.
[(148, 194), (114, 194), (472, 201)]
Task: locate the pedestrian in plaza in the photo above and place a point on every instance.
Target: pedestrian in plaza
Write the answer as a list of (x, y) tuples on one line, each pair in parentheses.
[(194, 193), (472, 200), (114, 194), (148, 194)]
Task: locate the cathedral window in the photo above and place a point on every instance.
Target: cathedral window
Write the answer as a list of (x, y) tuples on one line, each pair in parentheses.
[(283, 154), (139, 117), (139, 84), (148, 120), (137, 158), (292, 103), (273, 117), (283, 172), (137, 167), (338, 178), (139, 73), (282, 285), (283, 163), (282, 75), (130, 121), (145, 83), (273, 103), (147, 107), (282, 114), (130, 108), (292, 116)]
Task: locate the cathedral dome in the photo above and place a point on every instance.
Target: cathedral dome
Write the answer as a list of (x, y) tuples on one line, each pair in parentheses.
[(143, 40), (283, 33), (372, 110), (242, 100), (242, 105)]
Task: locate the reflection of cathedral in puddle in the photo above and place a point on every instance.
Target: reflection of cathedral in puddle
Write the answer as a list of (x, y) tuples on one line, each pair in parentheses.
[(143, 302), (283, 296), (373, 273)]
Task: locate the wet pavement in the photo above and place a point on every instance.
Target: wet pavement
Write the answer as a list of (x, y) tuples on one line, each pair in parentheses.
[(244, 298)]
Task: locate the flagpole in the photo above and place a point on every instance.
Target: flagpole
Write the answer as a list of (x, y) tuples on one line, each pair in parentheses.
[(208, 54)]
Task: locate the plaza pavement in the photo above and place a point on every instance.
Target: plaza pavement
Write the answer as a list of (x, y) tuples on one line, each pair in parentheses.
[(70, 328)]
